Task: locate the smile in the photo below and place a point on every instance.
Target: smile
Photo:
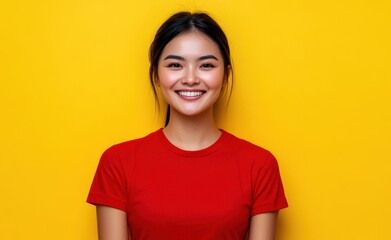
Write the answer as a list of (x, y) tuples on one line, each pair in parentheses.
[(190, 93)]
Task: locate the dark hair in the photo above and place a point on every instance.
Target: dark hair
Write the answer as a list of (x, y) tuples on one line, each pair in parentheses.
[(183, 22)]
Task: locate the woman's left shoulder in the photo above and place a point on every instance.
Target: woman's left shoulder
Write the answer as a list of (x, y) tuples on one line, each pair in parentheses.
[(249, 150)]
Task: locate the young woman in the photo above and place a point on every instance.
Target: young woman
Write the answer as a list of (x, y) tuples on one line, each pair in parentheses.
[(190, 179)]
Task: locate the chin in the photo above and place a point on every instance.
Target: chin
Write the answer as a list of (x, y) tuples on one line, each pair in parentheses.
[(193, 112)]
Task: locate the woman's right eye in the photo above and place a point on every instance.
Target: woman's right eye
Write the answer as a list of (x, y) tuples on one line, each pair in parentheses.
[(174, 65)]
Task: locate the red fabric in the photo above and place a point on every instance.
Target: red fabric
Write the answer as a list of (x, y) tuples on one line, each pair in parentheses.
[(169, 193)]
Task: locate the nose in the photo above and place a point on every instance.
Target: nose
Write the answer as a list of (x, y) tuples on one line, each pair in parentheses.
[(190, 77)]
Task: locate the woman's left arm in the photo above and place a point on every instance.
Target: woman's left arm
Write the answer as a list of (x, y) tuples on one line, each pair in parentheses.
[(263, 226)]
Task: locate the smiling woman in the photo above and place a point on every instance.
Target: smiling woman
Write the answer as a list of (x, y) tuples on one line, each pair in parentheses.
[(190, 179), (191, 74)]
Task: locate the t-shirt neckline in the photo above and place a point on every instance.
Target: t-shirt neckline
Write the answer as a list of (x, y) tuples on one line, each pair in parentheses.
[(193, 153)]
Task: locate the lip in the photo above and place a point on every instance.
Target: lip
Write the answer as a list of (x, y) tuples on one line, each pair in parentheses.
[(192, 94)]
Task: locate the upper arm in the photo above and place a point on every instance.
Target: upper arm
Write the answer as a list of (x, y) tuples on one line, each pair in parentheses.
[(263, 226), (112, 223)]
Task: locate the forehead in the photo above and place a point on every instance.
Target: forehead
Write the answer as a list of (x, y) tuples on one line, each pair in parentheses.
[(192, 43)]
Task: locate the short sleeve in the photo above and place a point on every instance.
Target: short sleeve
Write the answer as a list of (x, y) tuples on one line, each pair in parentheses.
[(268, 191), (109, 186)]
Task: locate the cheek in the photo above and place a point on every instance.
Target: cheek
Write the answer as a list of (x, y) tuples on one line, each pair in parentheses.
[(214, 79), (165, 78)]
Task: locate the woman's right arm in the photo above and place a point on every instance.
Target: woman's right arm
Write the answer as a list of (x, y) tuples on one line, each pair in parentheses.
[(112, 223)]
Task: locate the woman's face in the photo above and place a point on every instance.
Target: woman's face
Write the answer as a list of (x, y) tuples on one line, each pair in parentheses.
[(191, 73)]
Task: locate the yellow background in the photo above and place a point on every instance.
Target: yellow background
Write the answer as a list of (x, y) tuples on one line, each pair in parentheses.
[(312, 85)]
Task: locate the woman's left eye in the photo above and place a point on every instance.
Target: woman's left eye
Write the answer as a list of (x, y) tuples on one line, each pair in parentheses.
[(207, 65)]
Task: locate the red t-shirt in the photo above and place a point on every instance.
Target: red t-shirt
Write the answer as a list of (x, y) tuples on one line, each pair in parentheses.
[(169, 193)]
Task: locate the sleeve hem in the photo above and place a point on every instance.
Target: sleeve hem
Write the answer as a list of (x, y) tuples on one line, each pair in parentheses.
[(110, 202), (270, 207)]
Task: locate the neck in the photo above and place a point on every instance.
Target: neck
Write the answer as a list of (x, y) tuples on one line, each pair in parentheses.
[(192, 132)]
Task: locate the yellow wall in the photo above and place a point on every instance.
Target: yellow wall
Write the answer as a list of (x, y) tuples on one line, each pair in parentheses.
[(312, 85)]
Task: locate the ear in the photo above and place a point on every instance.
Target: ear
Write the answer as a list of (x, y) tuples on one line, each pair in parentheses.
[(156, 79), (227, 73)]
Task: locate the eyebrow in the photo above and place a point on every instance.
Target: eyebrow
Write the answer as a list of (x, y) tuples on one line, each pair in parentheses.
[(199, 59)]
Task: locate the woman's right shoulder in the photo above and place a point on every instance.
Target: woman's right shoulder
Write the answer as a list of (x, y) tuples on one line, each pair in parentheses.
[(130, 147)]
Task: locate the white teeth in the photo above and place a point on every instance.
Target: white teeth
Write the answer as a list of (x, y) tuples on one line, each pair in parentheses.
[(190, 94)]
